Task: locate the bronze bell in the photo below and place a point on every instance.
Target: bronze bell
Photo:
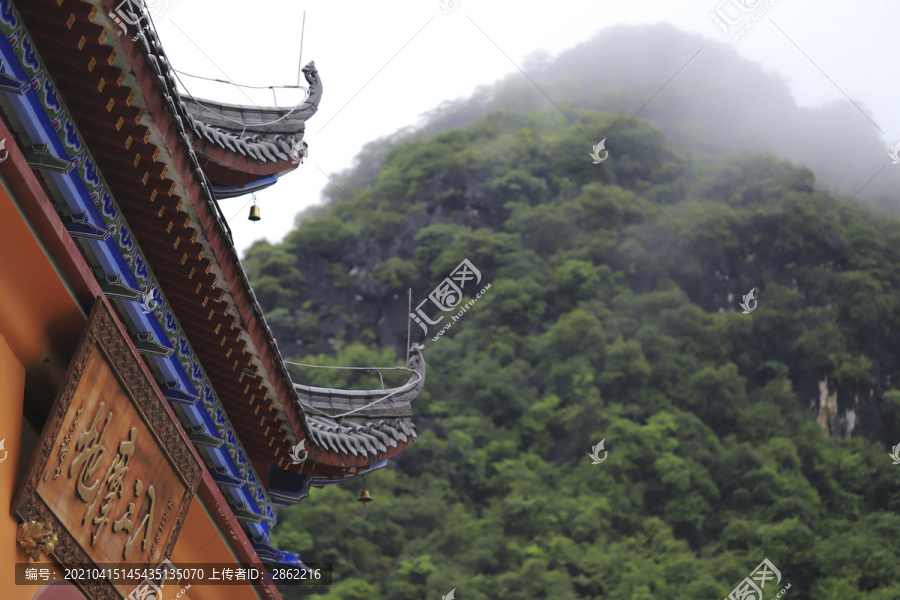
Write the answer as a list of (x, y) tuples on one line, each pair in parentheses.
[(364, 496), (254, 213)]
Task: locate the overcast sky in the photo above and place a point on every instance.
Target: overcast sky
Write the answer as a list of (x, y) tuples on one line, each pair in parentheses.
[(384, 64)]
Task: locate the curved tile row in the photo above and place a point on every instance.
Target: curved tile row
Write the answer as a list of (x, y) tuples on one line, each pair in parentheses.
[(263, 148), (368, 438)]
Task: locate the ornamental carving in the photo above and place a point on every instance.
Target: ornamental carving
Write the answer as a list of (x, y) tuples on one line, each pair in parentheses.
[(36, 538)]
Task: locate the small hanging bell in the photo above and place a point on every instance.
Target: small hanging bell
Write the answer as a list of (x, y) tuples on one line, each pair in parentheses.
[(254, 213), (364, 497)]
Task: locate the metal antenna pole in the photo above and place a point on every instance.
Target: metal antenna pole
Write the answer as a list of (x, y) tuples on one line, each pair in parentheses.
[(302, 31), (408, 326)]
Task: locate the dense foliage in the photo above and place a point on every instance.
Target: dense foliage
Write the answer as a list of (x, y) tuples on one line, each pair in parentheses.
[(613, 314)]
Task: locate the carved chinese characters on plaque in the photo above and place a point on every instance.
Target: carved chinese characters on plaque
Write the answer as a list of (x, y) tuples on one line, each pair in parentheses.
[(110, 481), (112, 468)]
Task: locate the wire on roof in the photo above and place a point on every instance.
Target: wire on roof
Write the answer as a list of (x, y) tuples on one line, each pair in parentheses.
[(251, 87), (350, 412), (177, 73), (237, 121), (354, 368)]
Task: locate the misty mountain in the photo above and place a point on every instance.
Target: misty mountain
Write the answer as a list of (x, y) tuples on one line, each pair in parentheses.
[(612, 314), (617, 311), (706, 97)]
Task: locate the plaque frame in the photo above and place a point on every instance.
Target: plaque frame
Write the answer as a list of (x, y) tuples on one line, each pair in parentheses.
[(104, 333)]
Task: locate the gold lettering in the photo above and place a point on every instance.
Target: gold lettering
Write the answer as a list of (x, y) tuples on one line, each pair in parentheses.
[(124, 522), (64, 446), (91, 451), (114, 481), (146, 524)]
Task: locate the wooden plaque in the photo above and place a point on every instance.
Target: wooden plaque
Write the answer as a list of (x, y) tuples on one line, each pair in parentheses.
[(111, 473)]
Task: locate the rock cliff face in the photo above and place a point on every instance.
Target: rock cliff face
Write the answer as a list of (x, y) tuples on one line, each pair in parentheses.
[(344, 295)]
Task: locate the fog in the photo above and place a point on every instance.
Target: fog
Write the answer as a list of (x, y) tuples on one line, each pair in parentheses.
[(811, 81), (718, 103)]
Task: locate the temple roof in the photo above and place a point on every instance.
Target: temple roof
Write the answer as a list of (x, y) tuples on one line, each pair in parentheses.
[(235, 145), (160, 157), (364, 422), (275, 129), (133, 177)]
